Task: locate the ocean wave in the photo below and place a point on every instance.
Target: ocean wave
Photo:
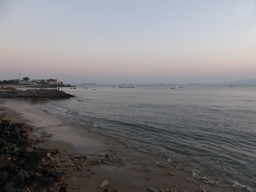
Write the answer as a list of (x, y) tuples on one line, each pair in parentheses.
[(238, 185), (62, 109)]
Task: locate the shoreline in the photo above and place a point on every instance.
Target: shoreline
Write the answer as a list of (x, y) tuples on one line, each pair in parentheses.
[(125, 168)]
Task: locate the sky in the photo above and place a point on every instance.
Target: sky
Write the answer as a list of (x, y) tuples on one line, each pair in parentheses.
[(128, 41)]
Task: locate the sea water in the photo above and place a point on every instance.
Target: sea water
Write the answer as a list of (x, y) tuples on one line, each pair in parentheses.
[(208, 130)]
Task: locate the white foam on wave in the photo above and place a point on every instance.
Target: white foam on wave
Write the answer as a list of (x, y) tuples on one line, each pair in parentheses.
[(195, 174), (211, 180), (64, 110), (238, 185)]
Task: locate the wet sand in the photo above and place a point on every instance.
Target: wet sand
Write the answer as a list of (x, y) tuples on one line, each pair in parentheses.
[(126, 169)]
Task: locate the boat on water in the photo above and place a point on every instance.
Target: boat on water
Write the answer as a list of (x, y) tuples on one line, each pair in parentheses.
[(172, 87)]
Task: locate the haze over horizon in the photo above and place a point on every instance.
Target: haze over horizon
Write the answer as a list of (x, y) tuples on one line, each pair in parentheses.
[(133, 42)]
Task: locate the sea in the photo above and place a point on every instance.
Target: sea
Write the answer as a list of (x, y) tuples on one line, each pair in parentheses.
[(209, 130)]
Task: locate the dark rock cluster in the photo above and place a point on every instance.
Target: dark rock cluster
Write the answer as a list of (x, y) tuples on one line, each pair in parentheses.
[(23, 165), (35, 94)]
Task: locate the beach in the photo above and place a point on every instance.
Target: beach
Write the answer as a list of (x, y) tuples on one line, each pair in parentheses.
[(103, 157)]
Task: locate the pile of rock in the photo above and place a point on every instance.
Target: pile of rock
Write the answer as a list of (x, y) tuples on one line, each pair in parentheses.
[(23, 165), (35, 94)]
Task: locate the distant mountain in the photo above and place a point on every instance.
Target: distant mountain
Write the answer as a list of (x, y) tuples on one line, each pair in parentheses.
[(86, 84), (244, 82)]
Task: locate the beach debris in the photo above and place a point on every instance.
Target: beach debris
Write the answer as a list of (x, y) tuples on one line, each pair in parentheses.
[(104, 183), (190, 179), (162, 164), (169, 173), (152, 189), (110, 157), (203, 188)]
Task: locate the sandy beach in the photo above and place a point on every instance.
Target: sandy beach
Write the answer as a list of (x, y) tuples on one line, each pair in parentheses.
[(103, 157)]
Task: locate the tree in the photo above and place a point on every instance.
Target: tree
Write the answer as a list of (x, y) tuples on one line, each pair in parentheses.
[(26, 78)]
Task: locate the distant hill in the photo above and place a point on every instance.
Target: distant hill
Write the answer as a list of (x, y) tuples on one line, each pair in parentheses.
[(86, 84), (244, 82)]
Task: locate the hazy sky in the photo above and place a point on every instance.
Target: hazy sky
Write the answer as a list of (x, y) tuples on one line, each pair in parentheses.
[(133, 41)]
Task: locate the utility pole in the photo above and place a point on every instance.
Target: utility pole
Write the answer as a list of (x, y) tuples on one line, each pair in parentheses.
[(19, 76)]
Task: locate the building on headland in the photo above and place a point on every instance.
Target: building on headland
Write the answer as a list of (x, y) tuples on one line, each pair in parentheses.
[(35, 82), (52, 81), (38, 81), (24, 82)]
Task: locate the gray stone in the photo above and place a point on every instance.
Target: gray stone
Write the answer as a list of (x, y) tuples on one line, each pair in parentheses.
[(18, 180), (9, 188)]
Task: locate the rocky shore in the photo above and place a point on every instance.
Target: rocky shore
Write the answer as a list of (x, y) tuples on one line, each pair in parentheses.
[(23, 164), (34, 94), (27, 167)]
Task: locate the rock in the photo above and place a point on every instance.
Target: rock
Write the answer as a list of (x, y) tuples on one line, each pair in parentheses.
[(55, 151), (7, 165), (9, 188), (97, 162), (35, 93), (104, 184), (18, 152), (34, 157), (31, 166), (46, 184), (58, 176), (4, 177), (48, 168), (5, 115), (63, 189), (18, 181)]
